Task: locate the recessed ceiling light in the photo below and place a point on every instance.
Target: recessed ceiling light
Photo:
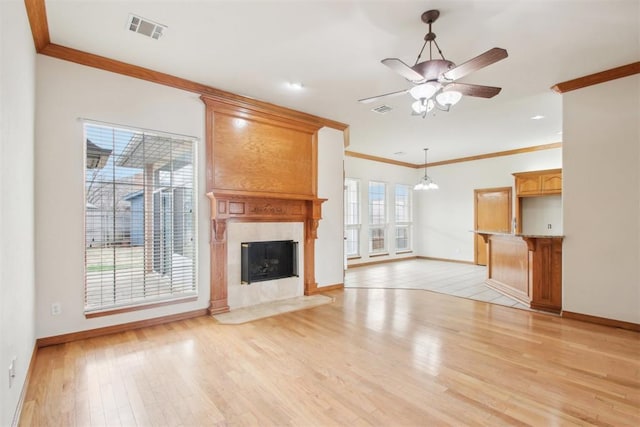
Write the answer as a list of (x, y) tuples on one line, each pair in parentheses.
[(295, 85), (538, 117)]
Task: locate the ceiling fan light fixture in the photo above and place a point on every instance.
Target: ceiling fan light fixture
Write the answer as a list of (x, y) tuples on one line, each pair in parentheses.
[(422, 106), (437, 77), (425, 90), (448, 98)]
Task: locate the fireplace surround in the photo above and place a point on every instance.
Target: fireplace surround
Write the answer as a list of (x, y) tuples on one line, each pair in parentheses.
[(261, 167)]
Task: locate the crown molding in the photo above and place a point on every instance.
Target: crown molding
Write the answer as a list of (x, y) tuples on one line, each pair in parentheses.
[(458, 160), (379, 159), (597, 78)]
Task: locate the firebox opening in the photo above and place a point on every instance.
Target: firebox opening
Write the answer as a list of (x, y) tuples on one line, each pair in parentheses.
[(261, 261)]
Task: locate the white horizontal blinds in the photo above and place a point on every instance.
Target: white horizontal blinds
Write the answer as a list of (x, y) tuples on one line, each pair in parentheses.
[(352, 216), (403, 217), (139, 217), (377, 217)]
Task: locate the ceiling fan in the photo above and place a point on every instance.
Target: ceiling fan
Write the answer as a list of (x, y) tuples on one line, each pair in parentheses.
[(434, 81)]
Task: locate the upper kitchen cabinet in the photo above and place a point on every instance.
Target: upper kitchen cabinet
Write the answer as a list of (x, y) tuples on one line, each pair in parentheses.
[(538, 183)]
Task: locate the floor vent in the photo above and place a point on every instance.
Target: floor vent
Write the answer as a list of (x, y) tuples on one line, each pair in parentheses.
[(382, 109), (143, 26)]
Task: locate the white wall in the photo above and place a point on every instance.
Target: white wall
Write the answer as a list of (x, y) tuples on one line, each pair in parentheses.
[(329, 259), (65, 93), (17, 288), (542, 215), (365, 171), (601, 197), (446, 215)]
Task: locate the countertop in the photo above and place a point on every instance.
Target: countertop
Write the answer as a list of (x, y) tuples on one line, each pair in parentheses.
[(529, 236)]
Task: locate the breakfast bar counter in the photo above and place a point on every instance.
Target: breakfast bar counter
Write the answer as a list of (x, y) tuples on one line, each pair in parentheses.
[(527, 268)]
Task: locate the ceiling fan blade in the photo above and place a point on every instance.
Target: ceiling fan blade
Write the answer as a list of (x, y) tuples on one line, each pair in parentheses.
[(478, 91), (374, 98), (489, 57), (403, 69)]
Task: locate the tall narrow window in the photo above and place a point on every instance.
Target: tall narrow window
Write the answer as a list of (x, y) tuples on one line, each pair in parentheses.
[(140, 222), (403, 218), (352, 217), (377, 217)]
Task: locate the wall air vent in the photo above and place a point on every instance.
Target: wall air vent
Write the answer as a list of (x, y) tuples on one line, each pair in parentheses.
[(143, 26), (382, 109)]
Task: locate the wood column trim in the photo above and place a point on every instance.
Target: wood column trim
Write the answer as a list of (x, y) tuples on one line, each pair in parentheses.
[(37, 13), (218, 286)]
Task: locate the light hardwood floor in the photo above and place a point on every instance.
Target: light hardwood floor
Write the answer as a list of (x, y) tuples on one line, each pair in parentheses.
[(373, 357)]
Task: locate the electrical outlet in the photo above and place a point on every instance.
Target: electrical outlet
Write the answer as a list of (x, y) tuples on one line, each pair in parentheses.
[(56, 309), (548, 226), (12, 371)]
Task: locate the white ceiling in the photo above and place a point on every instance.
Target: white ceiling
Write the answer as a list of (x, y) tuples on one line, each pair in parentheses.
[(334, 48)]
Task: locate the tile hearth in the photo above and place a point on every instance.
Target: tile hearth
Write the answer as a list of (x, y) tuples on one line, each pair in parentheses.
[(260, 311)]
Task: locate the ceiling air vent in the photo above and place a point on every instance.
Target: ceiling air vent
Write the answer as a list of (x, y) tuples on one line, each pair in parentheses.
[(143, 26), (383, 109)]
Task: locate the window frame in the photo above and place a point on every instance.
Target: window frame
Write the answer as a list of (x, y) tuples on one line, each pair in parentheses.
[(378, 226), (352, 223), (406, 222), (182, 284)]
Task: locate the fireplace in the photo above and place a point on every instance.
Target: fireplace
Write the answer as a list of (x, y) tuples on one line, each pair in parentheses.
[(262, 167), (262, 261)]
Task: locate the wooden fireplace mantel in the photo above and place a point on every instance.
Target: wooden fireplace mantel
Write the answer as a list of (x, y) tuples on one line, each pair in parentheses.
[(245, 208), (262, 166)]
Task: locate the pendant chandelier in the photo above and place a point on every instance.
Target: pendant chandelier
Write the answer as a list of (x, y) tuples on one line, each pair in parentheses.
[(426, 183)]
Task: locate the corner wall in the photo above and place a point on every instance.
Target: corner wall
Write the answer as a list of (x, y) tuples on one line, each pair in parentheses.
[(601, 181), (69, 92), (17, 117), (329, 260)]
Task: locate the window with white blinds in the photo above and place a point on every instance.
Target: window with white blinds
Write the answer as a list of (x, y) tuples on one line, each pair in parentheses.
[(377, 217), (352, 217), (140, 222), (403, 217)]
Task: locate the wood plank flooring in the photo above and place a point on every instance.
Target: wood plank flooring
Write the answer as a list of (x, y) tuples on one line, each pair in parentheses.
[(373, 357)]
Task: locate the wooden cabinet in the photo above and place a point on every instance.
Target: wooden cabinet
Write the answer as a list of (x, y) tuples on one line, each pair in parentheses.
[(551, 183), (527, 269), (538, 183), (535, 184)]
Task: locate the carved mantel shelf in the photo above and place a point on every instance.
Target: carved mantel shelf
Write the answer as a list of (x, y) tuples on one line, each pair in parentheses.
[(248, 208)]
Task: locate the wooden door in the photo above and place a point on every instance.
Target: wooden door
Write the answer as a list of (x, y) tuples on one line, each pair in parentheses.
[(492, 207)]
